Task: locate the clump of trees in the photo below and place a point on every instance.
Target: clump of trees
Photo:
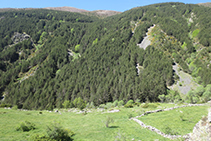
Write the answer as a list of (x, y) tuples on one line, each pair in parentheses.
[(199, 95), (77, 103)]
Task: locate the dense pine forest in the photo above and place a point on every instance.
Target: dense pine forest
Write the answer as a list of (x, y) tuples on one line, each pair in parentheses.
[(47, 56)]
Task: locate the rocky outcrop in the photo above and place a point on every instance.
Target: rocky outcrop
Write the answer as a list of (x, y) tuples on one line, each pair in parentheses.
[(1, 18), (209, 116), (18, 37), (202, 130), (146, 41)]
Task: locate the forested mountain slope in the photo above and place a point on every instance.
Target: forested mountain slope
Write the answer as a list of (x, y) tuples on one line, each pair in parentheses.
[(47, 56)]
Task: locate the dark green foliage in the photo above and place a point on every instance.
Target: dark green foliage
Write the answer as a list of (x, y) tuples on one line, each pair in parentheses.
[(39, 73), (25, 126), (57, 132), (5, 105)]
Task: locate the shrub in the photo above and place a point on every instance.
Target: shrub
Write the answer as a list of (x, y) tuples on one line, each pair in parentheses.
[(15, 107), (108, 121), (145, 105), (109, 105), (182, 116), (137, 102), (189, 97), (129, 104), (195, 99), (115, 103), (162, 98), (169, 131), (102, 106), (41, 137), (152, 105), (90, 105), (130, 115), (206, 96), (149, 105), (66, 104), (120, 103), (199, 91), (25, 126), (55, 132), (79, 103), (5, 105)]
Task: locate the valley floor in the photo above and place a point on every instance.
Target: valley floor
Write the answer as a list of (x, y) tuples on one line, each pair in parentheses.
[(91, 126)]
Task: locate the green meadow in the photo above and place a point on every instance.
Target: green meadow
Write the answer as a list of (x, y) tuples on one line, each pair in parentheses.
[(91, 126)]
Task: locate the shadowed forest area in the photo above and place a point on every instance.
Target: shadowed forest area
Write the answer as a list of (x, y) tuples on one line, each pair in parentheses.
[(47, 56)]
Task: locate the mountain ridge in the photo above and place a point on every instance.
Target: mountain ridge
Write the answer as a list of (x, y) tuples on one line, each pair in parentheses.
[(99, 13)]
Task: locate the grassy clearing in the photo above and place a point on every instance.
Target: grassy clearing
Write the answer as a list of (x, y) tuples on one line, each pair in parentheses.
[(91, 126), (180, 121)]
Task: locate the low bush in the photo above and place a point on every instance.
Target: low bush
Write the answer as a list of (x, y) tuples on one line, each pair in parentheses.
[(129, 104), (145, 105), (15, 107), (169, 131), (90, 105), (25, 126), (79, 103), (108, 121), (120, 103), (149, 105), (66, 104), (5, 105), (115, 103), (109, 105), (55, 132), (130, 115), (102, 106)]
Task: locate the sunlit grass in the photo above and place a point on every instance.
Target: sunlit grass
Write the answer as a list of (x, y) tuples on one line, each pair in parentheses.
[(91, 126), (181, 120)]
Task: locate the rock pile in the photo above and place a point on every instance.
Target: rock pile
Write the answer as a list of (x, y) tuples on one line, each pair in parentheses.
[(18, 37), (201, 131), (209, 115)]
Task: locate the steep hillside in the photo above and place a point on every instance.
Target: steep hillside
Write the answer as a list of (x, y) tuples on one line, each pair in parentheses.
[(69, 55)]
